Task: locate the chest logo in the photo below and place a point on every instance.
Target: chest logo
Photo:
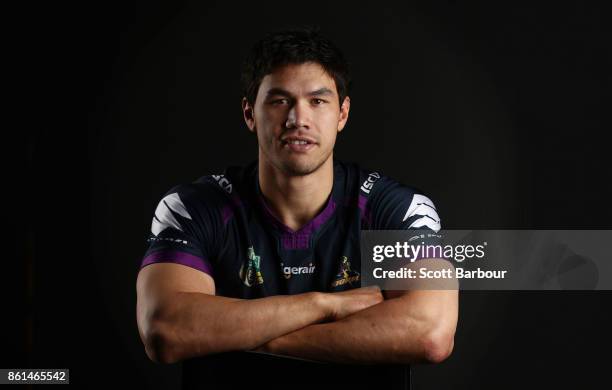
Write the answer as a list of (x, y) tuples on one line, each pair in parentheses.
[(250, 271), (289, 271), (346, 274)]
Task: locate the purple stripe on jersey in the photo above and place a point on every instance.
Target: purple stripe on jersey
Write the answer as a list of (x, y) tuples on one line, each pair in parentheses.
[(365, 214), (362, 204), (324, 215), (226, 213), (178, 257)]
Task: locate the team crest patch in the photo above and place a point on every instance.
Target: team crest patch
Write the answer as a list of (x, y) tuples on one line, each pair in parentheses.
[(346, 274), (250, 271)]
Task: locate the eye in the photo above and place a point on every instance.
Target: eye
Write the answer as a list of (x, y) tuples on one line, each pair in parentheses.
[(318, 101), (280, 101)]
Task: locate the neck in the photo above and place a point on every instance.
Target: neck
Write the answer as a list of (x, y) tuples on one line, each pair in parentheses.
[(295, 200)]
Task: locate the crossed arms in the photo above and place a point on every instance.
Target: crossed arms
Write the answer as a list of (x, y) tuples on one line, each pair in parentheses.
[(179, 317)]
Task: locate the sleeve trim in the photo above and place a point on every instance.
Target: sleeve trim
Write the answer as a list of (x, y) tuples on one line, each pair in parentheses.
[(183, 258)]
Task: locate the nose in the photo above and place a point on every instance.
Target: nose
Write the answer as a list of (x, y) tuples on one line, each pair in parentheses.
[(297, 117)]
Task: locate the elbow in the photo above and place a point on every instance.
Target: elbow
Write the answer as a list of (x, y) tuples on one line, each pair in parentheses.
[(164, 345), (158, 345), (438, 346)]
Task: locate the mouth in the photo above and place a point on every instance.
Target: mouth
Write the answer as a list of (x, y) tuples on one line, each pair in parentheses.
[(297, 144)]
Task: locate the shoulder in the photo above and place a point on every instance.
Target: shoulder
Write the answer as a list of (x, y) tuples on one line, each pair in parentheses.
[(371, 182), (393, 204), (206, 191), (210, 197), (352, 175), (216, 189)]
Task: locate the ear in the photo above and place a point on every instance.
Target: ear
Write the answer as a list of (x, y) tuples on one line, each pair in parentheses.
[(344, 113), (248, 113)]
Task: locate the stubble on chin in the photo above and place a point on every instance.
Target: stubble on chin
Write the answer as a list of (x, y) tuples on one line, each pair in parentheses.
[(302, 168), (292, 168)]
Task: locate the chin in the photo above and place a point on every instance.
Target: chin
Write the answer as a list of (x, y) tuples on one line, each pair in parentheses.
[(300, 168)]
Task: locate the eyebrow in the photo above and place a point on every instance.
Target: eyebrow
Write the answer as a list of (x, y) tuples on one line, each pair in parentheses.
[(282, 92)]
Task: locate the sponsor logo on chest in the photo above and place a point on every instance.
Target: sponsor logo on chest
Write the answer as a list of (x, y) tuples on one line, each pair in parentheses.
[(303, 270)]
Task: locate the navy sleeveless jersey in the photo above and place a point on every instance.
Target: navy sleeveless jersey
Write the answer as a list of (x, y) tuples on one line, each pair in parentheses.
[(221, 225)]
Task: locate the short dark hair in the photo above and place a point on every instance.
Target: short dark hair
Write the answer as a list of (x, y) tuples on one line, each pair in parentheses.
[(294, 46)]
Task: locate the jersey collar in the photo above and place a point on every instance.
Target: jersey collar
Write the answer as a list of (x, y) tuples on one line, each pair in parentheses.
[(297, 239)]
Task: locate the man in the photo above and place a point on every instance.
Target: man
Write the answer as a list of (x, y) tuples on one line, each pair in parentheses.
[(267, 257)]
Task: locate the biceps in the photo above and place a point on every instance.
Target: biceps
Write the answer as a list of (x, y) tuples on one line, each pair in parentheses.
[(168, 278), (157, 284), (174, 277)]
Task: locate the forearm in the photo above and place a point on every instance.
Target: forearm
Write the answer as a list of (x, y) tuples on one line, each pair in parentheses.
[(384, 333), (197, 324)]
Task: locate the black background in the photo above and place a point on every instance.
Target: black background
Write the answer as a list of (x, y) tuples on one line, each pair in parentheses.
[(499, 111)]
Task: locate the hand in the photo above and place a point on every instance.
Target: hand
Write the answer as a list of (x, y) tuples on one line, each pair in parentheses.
[(348, 302)]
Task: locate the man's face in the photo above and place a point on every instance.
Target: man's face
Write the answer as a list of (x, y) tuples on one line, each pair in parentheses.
[(296, 117)]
